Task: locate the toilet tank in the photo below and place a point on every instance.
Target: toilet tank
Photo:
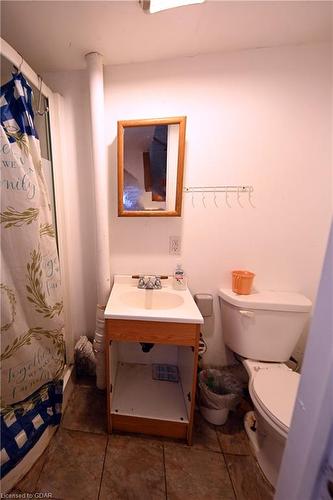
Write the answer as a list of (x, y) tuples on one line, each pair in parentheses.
[(264, 325)]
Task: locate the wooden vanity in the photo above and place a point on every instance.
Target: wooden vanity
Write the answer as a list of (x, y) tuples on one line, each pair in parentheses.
[(136, 402), (168, 320)]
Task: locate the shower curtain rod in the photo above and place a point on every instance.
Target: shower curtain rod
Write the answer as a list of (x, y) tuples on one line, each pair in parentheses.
[(16, 59)]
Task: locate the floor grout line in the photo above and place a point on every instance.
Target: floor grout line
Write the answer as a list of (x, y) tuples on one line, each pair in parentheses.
[(238, 454), (199, 450), (165, 478), (102, 474), (231, 481), (218, 440), (85, 431)]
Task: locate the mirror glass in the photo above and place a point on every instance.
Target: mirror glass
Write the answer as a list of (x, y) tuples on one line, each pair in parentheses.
[(150, 166)]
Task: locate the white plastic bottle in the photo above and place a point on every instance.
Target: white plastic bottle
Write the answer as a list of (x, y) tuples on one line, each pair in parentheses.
[(179, 279)]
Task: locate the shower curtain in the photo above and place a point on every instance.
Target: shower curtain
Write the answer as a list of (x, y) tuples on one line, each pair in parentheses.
[(32, 342)]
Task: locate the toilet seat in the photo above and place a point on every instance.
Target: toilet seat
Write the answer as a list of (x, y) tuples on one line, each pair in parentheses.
[(275, 391)]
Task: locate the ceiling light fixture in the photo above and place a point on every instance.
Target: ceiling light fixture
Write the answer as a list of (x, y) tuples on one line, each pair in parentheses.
[(152, 6)]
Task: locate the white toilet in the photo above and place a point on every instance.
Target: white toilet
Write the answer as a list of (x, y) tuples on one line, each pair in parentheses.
[(263, 328)]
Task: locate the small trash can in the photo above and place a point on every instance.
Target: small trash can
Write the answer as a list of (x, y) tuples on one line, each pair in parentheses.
[(84, 356), (220, 392)]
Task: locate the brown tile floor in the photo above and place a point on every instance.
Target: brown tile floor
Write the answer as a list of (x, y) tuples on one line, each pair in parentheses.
[(84, 463)]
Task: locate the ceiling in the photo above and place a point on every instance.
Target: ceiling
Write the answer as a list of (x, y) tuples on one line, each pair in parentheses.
[(55, 35)]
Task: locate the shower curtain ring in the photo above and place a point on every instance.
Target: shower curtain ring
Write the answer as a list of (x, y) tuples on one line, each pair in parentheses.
[(18, 68), (41, 113)]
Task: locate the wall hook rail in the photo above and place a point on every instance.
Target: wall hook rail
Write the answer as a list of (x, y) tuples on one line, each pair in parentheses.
[(227, 189)]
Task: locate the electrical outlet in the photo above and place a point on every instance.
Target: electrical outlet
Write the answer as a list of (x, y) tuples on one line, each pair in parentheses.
[(174, 245)]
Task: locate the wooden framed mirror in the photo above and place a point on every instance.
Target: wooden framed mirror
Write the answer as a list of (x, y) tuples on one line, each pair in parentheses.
[(151, 167)]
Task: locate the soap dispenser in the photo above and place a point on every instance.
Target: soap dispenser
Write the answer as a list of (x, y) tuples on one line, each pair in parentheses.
[(179, 278)]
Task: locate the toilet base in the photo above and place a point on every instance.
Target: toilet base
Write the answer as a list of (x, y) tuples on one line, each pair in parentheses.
[(249, 423), (267, 449)]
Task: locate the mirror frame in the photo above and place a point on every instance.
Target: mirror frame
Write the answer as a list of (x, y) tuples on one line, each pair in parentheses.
[(122, 124)]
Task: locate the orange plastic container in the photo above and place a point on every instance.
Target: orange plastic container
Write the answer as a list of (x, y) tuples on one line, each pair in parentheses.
[(242, 282)]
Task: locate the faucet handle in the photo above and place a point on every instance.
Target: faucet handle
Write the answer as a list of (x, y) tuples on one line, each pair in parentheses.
[(158, 283), (141, 282)]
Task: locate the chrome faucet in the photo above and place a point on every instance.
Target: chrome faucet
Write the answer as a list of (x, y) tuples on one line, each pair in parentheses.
[(150, 282)]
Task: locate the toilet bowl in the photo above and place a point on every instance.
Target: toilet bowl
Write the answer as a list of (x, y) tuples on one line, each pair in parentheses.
[(263, 329), (273, 388)]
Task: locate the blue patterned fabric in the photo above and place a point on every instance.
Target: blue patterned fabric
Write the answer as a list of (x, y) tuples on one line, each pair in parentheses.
[(23, 426), (16, 107)]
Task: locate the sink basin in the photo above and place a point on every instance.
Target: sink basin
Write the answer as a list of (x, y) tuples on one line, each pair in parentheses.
[(151, 299), (128, 302)]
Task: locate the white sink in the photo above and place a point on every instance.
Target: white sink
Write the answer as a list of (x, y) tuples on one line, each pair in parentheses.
[(126, 301), (151, 299)]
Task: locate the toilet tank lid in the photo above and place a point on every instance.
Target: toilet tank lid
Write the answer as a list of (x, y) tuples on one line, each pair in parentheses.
[(268, 300)]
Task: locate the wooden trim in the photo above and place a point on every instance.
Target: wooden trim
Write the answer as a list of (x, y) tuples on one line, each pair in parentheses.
[(147, 122), (151, 426), (108, 385), (120, 168), (157, 332), (180, 169), (194, 387), (152, 213), (176, 120)]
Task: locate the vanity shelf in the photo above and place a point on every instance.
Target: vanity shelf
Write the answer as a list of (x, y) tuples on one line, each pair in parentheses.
[(138, 394)]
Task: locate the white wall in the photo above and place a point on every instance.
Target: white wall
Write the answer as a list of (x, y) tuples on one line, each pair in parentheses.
[(79, 199), (259, 117)]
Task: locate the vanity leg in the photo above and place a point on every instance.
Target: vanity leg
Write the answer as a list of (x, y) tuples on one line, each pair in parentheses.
[(108, 386), (194, 387)]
